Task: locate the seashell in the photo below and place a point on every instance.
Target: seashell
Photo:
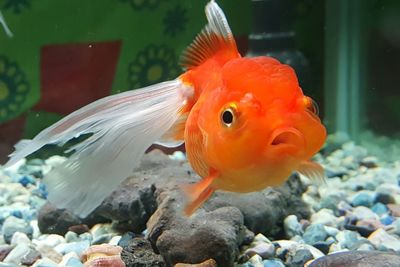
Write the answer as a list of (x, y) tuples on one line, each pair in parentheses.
[(102, 255)]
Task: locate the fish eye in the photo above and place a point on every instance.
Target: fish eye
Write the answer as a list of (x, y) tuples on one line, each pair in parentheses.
[(228, 116)]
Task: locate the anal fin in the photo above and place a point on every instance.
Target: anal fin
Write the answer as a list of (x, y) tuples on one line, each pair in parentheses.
[(197, 194), (313, 171)]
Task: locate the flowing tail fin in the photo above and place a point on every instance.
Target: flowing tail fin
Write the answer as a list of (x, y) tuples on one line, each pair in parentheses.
[(5, 26), (123, 126)]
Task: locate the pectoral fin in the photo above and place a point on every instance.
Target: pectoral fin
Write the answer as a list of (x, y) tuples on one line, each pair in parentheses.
[(313, 171), (197, 194)]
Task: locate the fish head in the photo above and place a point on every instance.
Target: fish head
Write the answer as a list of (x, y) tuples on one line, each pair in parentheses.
[(258, 117)]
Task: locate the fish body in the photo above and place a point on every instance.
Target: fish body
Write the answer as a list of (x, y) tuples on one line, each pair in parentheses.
[(245, 122)]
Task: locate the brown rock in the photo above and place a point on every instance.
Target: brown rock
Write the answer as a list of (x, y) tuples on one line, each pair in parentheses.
[(394, 209), (4, 250), (31, 257), (207, 263), (358, 259), (79, 228), (140, 253)]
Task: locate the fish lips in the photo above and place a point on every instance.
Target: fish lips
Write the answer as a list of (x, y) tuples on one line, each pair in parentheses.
[(287, 139)]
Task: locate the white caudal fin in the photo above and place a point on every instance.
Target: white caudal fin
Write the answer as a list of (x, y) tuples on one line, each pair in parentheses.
[(5, 26), (123, 126)]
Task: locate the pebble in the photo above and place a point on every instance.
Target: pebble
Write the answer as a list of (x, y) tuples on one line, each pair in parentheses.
[(77, 247), (71, 259), (323, 246), (384, 198), (349, 239), (382, 240), (387, 219), (330, 202), (362, 199), (273, 263), (4, 250), (362, 213), (31, 257), (256, 261), (261, 238), (394, 228), (292, 226), (71, 237), (315, 233), (49, 252), (13, 224), (331, 231), (79, 229), (325, 217), (394, 209), (369, 162), (288, 245), (17, 253), (379, 208), (265, 250), (2, 264), (299, 258), (18, 238), (51, 240), (45, 262)]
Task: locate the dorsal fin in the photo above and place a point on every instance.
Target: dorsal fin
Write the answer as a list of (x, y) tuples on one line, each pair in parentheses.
[(215, 38)]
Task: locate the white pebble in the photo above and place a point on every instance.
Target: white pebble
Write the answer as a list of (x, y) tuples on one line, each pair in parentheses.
[(68, 256), (325, 217), (17, 253), (19, 238), (51, 240), (257, 261), (45, 262), (380, 238), (292, 226), (363, 213), (261, 238), (114, 240)]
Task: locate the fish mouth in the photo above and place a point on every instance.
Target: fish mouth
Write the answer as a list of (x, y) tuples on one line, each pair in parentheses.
[(287, 137)]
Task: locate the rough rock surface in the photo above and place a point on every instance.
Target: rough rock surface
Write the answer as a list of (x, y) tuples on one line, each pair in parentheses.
[(358, 259), (217, 229), (139, 253), (179, 239), (58, 221), (265, 211)]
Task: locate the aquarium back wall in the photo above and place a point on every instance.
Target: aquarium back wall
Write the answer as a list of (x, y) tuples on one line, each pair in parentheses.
[(65, 54)]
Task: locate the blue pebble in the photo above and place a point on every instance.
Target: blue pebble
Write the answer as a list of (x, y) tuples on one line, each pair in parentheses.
[(74, 262), (77, 247), (362, 199), (27, 179), (42, 191), (273, 263), (315, 233), (387, 220), (247, 264), (17, 213), (379, 208), (126, 239), (3, 264)]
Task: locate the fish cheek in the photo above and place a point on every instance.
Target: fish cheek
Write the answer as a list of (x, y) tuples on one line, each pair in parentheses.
[(314, 133)]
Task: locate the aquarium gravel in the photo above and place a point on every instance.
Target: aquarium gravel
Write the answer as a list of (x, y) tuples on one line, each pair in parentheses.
[(357, 209)]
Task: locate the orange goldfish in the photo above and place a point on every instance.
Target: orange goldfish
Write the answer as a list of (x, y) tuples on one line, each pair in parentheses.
[(245, 122)]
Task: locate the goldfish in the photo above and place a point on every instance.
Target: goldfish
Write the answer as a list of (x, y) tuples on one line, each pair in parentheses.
[(245, 123)]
